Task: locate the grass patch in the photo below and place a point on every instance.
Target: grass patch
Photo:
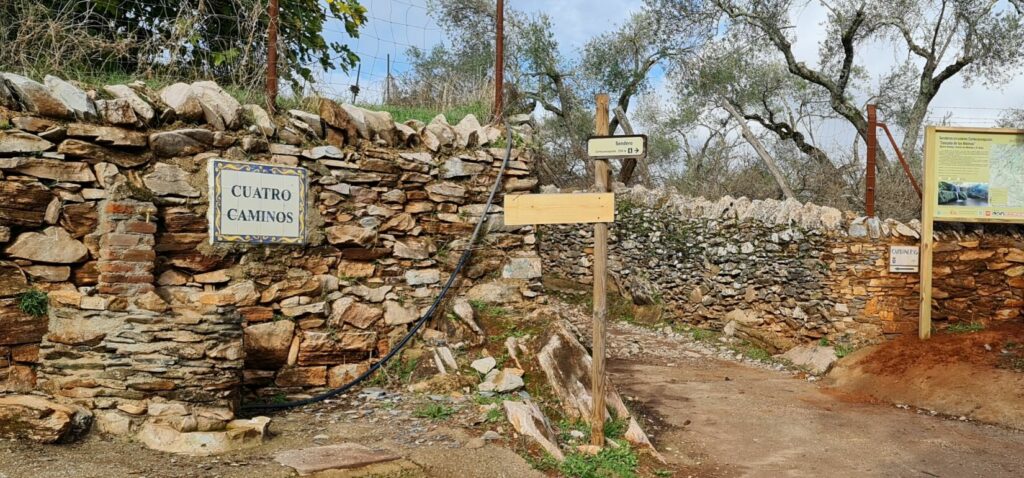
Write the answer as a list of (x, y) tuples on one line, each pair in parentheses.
[(397, 371), (619, 462), (545, 463), (843, 350), (965, 327), (756, 353), (33, 302), (434, 411), (495, 415), (704, 335), (401, 114), (483, 308)]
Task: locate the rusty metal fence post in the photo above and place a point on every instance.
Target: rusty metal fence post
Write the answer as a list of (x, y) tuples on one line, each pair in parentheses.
[(869, 175), (272, 12)]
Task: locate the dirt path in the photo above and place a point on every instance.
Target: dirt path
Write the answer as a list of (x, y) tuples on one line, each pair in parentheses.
[(728, 419)]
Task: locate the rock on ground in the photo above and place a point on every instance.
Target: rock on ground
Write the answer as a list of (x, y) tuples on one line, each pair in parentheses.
[(307, 461), (37, 419), (816, 359)]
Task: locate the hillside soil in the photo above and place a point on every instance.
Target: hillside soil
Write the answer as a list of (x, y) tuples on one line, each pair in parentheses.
[(975, 374)]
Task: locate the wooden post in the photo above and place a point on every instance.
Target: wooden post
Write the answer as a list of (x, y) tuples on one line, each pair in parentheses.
[(499, 61), (924, 321), (869, 173), (272, 11), (597, 379)]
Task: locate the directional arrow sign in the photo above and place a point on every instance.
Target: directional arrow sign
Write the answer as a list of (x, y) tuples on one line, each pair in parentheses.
[(526, 209), (607, 147)]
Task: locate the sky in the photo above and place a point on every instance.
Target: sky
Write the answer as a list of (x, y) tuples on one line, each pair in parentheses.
[(395, 25)]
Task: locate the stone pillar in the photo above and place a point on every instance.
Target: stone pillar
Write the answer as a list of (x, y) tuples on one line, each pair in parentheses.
[(127, 258)]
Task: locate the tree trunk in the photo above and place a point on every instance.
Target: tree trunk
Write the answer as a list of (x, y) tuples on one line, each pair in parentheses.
[(761, 151)]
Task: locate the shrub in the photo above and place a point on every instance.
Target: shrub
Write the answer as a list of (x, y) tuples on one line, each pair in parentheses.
[(33, 302)]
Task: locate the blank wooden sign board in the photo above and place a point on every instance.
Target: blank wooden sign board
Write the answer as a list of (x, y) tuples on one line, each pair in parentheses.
[(970, 175), (524, 209)]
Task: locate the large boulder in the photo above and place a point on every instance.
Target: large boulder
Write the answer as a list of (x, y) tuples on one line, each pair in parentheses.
[(817, 359), (237, 436), (72, 96), (143, 110), (267, 344), (343, 456), (20, 142), (259, 118), (95, 153), (169, 180), (35, 97), (567, 365), (53, 245), (181, 98), (527, 419), (29, 417), (220, 109), (347, 311), (182, 142)]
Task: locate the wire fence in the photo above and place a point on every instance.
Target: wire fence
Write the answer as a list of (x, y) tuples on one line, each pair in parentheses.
[(166, 41)]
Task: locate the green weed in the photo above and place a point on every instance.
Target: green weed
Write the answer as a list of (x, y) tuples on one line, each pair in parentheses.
[(434, 411), (483, 308), (33, 302), (965, 327), (401, 114), (396, 371), (544, 463), (610, 462), (704, 335), (843, 350), (494, 415)]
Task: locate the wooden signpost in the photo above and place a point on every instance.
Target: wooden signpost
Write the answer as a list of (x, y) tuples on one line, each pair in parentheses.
[(597, 208)]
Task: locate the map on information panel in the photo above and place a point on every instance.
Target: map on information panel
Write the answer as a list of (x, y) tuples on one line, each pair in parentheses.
[(978, 176)]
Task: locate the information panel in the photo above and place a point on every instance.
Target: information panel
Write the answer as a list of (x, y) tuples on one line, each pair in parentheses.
[(975, 175), (257, 203)]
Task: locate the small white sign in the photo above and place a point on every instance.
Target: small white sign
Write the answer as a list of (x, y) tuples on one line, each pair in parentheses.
[(617, 146), (904, 258), (257, 203)]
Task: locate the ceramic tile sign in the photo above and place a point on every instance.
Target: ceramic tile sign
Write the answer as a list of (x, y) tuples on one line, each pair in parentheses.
[(904, 258), (257, 203)]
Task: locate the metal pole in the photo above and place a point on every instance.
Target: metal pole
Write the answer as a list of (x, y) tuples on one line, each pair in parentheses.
[(869, 176), (272, 12), (387, 83), (600, 285), (499, 60)]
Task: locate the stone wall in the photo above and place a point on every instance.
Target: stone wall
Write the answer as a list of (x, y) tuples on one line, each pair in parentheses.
[(781, 273), (103, 200)]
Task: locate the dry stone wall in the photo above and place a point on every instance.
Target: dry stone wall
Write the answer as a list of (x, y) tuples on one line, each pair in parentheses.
[(780, 273), (103, 202)]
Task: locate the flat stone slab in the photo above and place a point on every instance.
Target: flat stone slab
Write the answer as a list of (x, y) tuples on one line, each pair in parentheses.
[(332, 457)]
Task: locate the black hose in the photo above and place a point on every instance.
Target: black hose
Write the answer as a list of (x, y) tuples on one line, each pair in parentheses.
[(466, 254)]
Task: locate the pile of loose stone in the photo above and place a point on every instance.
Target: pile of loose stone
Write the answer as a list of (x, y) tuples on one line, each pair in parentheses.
[(103, 201)]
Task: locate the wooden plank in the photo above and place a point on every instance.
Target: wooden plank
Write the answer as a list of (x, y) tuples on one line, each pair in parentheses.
[(525, 209), (924, 322), (597, 378)]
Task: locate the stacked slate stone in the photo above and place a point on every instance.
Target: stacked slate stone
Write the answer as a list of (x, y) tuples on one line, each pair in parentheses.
[(103, 202), (780, 273)]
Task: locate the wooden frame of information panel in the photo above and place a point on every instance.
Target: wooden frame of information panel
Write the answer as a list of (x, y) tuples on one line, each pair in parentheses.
[(971, 148)]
